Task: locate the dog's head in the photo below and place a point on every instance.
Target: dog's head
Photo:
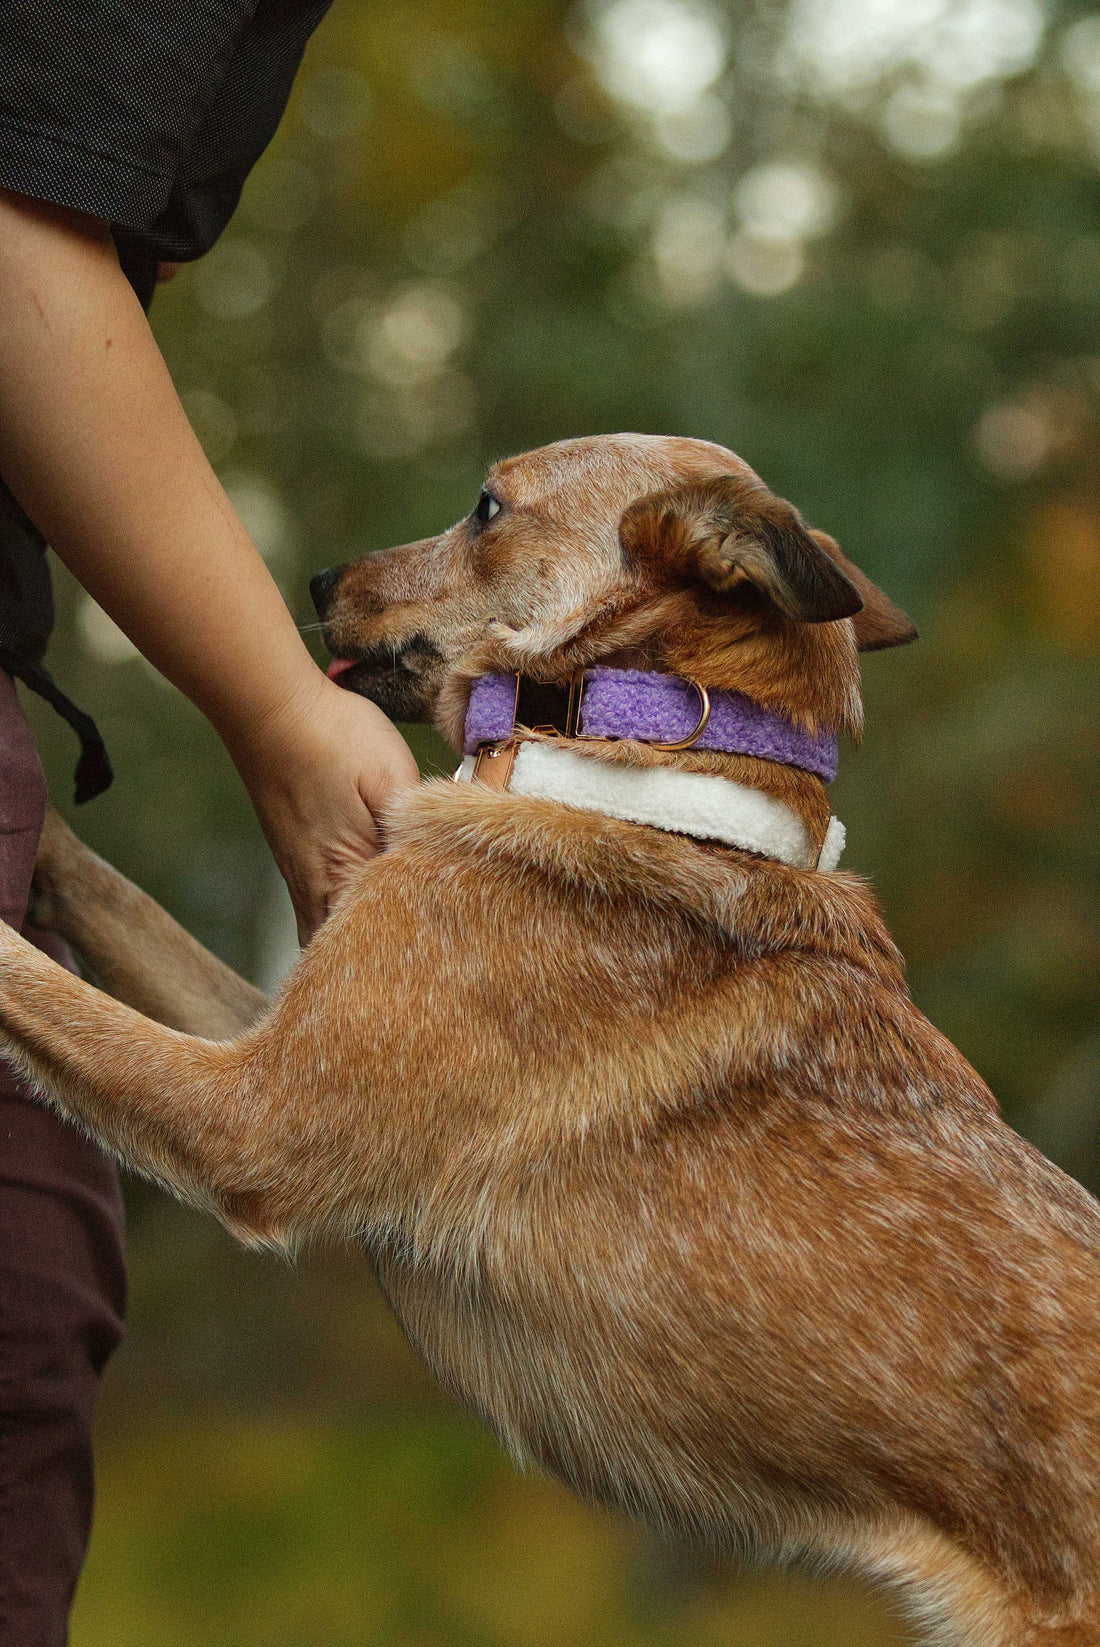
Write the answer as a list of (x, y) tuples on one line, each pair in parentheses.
[(632, 550)]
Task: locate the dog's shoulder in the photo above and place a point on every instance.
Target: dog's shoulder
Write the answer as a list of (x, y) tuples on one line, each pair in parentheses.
[(598, 871)]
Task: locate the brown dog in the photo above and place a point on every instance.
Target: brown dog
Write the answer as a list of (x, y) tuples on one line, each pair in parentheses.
[(661, 1169)]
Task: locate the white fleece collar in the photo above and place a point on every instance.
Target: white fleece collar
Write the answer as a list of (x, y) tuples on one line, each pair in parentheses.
[(686, 803)]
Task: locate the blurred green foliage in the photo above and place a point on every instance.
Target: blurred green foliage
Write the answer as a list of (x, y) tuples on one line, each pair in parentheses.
[(395, 1531), (859, 242)]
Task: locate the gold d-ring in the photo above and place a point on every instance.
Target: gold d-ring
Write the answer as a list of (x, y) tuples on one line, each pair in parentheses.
[(704, 718)]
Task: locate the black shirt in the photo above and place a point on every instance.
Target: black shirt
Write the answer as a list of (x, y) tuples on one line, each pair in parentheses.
[(149, 114)]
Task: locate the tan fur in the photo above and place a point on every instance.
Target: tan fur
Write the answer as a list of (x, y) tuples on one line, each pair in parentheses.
[(136, 951), (662, 1170)]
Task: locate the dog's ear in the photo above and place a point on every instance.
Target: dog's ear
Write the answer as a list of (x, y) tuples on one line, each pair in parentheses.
[(880, 623), (731, 532)]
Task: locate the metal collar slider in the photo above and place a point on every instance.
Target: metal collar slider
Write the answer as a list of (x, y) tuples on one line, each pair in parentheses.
[(555, 710)]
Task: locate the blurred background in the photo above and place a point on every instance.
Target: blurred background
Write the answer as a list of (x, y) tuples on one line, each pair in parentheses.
[(857, 240)]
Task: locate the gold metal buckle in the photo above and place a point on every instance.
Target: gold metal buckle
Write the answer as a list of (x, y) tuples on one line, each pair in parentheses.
[(704, 719), (572, 709)]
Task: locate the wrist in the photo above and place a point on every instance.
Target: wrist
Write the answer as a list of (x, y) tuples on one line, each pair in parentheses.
[(266, 728)]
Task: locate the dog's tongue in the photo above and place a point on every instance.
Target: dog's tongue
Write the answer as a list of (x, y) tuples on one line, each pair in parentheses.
[(337, 666)]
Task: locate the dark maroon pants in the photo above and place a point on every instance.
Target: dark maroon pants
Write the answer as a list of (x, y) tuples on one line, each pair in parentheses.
[(62, 1279)]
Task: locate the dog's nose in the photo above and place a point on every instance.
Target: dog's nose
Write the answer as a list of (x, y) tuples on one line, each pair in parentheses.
[(322, 588)]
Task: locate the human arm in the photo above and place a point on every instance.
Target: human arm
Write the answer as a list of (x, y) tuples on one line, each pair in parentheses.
[(97, 448)]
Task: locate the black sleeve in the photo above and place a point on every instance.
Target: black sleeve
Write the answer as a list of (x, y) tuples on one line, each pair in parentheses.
[(100, 99), (244, 110)]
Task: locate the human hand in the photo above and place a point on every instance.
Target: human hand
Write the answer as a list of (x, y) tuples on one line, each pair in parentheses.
[(319, 773)]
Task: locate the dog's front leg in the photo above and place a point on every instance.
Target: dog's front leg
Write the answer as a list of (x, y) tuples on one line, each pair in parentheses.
[(173, 1106), (137, 951)]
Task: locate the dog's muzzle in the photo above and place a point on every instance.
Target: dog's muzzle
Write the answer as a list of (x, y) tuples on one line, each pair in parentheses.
[(322, 587)]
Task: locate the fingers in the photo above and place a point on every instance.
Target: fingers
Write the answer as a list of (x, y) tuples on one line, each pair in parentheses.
[(323, 844), (319, 782)]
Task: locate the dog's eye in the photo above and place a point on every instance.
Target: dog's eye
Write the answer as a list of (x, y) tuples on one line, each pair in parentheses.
[(487, 507)]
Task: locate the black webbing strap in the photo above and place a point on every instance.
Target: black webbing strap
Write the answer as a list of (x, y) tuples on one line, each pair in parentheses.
[(26, 619), (93, 773)]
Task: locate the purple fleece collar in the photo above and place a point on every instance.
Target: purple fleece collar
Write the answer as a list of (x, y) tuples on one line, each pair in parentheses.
[(631, 703)]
